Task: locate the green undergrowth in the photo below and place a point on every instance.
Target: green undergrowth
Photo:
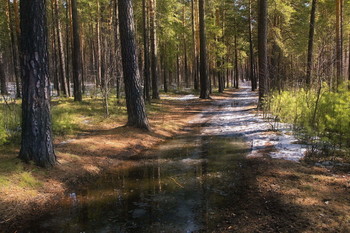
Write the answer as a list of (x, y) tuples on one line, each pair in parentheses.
[(69, 117), (28, 180), (15, 173), (320, 116)]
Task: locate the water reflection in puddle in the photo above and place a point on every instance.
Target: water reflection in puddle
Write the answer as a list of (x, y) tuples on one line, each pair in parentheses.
[(179, 187)]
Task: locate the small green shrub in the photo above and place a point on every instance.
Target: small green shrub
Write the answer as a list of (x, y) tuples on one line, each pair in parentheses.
[(10, 120), (3, 132), (320, 114)]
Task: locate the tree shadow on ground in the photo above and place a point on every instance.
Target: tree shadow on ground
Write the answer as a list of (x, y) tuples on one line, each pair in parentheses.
[(275, 197)]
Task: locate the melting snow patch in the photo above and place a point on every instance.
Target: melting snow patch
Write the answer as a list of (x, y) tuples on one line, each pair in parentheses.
[(187, 97), (189, 161), (67, 142), (234, 117)]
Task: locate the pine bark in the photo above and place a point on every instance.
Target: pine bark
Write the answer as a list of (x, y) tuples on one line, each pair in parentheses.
[(185, 47), (251, 51), (99, 53), (117, 48), (146, 68), (194, 42), (3, 87), (68, 28), (236, 80), (14, 50), (76, 54), (339, 52), (18, 33), (262, 49), (36, 143), (54, 68), (166, 72), (349, 64), (154, 48), (61, 58), (311, 44), (134, 101), (204, 78)]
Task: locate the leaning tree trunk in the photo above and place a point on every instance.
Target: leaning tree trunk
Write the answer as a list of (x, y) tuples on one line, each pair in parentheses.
[(134, 101), (204, 79), (76, 54), (262, 49), (36, 121), (311, 44)]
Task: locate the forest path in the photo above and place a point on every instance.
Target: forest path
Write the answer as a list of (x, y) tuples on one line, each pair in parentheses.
[(208, 179), (238, 116)]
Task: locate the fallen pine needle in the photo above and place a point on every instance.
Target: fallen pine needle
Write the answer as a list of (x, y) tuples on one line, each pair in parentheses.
[(177, 182)]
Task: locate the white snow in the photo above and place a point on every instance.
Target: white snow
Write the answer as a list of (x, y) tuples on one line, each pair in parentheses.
[(181, 98), (235, 117)]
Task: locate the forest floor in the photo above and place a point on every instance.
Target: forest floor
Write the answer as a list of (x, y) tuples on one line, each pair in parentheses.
[(276, 195)]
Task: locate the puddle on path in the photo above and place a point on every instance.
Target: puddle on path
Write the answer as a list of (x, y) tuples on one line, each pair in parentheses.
[(179, 187)]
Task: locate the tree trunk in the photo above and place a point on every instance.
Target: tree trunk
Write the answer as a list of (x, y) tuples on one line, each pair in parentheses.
[(166, 72), (3, 87), (14, 49), (54, 68), (185, 47), (311, 44), (220, 79), (251, 51), (194, 42), (36, 121), (204, 79), (146, 69), (61, 58), (68, 44), (349, 64), (339, 52), (154, 48), (236, 80), (262, 49), (178, 73), (117, 49), (18, 32), (219, 73), (134, 101), (99, 55), (76, 54)]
